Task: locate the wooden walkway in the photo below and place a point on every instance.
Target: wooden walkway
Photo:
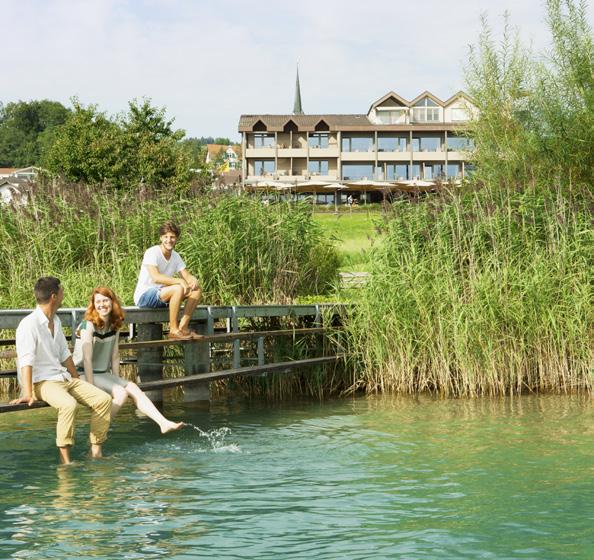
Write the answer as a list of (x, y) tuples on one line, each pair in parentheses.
[(146, 327)]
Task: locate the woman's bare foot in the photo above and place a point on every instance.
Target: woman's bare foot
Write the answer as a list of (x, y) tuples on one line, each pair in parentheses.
[(172, 427)]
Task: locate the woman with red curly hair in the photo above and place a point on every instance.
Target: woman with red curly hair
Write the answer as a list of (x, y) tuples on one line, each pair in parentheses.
[(97, 356)]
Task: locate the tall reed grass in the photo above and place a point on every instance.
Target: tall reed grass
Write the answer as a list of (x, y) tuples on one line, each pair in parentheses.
[(242, 251), (479, 293), (486, 290)]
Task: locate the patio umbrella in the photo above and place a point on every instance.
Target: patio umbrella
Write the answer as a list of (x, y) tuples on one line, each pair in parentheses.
[(369, 185), (266, 184), (336, 187), (314, 183), (415, 185)]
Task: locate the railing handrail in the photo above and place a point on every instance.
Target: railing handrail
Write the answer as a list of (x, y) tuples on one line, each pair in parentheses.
[(70, 316)]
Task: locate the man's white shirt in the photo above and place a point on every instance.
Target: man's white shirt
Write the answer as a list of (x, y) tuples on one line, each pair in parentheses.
[(154, 256), (36, 347)]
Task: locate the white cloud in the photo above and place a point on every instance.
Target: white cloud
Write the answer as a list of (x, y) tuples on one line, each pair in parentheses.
[(208, 62)]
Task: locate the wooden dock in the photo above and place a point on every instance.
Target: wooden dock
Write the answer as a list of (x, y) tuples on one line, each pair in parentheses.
[(148, 343)]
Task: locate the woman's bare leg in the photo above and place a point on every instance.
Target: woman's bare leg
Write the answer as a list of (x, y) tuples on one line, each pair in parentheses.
[(145, 405)]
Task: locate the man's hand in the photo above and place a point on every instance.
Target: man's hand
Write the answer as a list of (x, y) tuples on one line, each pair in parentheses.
[(185, 286), (26, 399), (193, 282)]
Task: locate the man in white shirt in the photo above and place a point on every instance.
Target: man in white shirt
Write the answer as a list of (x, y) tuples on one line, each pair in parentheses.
[(158, 285), (46, 371)]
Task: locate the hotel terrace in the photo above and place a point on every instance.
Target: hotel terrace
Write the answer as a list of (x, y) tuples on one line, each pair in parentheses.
[(397, 145)]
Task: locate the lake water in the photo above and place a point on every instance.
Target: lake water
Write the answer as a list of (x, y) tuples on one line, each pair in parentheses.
[(375, 477)]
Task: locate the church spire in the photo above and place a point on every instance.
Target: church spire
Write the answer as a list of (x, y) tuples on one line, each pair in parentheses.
[(297, 108)]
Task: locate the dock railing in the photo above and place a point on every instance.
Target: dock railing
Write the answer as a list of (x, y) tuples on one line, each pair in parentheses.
[(147, 340)]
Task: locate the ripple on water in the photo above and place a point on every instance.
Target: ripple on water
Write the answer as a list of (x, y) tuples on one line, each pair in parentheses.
[(365, 478)]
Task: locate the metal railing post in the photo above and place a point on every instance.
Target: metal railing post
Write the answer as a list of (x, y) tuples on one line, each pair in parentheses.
[(150, 359), (236, 343)]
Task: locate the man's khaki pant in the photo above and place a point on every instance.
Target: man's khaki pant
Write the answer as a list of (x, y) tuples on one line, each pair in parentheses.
[(63, 395)]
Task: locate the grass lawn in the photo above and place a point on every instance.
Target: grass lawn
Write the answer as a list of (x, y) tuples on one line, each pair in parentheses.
[(354, 234)]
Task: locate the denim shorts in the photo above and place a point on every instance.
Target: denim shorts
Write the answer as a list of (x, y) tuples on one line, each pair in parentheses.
[(151, 298)]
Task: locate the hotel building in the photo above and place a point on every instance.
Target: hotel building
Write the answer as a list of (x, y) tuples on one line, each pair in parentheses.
[(395, 141)]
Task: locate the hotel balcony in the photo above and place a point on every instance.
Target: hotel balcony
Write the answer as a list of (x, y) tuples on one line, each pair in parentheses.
[(393, 156), (457, 156), (265, 153), (330, 151), (435, 156), (358, 156), (285, 152)]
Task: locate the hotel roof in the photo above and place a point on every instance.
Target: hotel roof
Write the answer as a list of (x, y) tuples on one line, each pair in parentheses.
[(311, 123)]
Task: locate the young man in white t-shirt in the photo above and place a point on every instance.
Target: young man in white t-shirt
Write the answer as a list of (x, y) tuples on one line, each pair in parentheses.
[(158, 285)]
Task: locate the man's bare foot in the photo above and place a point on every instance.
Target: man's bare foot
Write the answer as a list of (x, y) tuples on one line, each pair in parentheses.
[(178, 335), (172, 427), (96, 452), (193, 335), (64, 453)]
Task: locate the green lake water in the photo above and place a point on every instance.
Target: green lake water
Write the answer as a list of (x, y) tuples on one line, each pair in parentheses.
[(375, 477)]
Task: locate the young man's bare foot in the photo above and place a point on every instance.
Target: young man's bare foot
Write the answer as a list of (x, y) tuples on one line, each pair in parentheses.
[(96, 452), (178, 335), (172, 427), (193, 335), (64, 453)]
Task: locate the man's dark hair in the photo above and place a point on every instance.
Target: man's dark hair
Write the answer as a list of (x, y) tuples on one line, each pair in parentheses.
[(45, 287), (169, 227)]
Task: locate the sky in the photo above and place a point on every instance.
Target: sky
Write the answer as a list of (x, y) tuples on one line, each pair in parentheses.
[(207, 62)]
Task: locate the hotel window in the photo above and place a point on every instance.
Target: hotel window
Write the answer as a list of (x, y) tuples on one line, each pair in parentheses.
[(415, 171), (469, 170), (354, 171), (460, 114), (319, 140), (460, 143), (264, 167), (391, 144), (318, 166), (396, 171), (391, 117), (361, 143), (433, 171), (324, 198), (426, 110), (263, 140), (453, 170), (426, 144)]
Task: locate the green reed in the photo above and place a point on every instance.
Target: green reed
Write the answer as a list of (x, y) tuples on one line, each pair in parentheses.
[(242, 251), (479, 292), (486, 290)]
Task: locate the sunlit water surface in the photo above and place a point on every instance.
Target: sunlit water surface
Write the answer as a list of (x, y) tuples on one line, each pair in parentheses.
[(379, 477)]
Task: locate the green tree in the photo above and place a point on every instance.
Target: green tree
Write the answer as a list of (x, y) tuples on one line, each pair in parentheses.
[(536, 120), (197, 149), (137, 148), (564, 94), (26, 130), (154, 154), (88, 148)]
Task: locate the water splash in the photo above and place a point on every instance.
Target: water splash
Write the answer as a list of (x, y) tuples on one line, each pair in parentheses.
[(216, 439)]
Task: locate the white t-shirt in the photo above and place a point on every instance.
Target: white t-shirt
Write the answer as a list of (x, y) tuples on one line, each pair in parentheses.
[(154, 256)]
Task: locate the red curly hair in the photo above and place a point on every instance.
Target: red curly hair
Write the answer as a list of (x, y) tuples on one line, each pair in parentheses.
[(117, 314)]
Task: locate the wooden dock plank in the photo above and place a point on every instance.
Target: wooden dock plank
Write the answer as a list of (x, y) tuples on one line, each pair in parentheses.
[(280, 367), (214, 338)]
